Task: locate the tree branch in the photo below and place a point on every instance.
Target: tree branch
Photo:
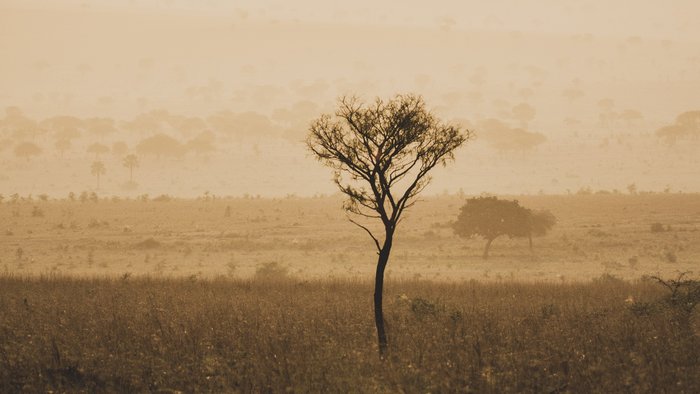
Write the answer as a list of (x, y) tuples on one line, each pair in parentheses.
[(376, 241)]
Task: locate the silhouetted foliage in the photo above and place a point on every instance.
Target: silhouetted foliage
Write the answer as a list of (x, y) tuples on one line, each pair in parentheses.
[(98, 149), (686, 126), (27, 149), (18, 126), (246, 124), (97, 169), (657, 228), (202, 144), (62, 146), (131, 161), (541, 222), (160, 145), (490, 218), (101, 127), (387, 148), (505, 138)]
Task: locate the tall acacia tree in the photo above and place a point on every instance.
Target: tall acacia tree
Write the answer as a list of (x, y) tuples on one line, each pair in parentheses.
[(386, 149)]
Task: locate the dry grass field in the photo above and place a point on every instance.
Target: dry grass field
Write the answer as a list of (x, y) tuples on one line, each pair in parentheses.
[(285, 335), (263, 295), (311, 238)]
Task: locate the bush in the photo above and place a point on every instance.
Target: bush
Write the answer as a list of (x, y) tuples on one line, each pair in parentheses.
[(422, 307), (94, 223), (148, 243), (657, 228), (271, 270), (37, 212), (670, 256), (163, 198)]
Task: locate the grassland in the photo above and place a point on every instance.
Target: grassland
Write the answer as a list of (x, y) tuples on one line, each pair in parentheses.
[(311, 238), (131, 335), (262, 295)]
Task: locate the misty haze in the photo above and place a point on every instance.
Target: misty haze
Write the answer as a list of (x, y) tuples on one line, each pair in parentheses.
[(316, 197)]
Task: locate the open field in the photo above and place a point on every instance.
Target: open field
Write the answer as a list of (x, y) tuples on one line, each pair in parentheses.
[(272, 295), (311, 238), (312, 196), (286, 335)]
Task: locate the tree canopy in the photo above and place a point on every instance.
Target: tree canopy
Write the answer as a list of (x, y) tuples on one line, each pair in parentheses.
[(489, 218), (160, 145), (385, 150), (686, 126), (27, 149)]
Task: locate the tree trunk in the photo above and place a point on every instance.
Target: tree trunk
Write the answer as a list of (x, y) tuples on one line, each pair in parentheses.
[(486, 249), (529, 237), (378, 295), (131, 174)]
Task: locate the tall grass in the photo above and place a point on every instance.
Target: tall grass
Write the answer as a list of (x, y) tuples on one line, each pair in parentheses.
[(142, 334)]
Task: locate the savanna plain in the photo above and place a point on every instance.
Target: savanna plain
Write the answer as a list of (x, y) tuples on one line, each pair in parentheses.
[(270, 295)]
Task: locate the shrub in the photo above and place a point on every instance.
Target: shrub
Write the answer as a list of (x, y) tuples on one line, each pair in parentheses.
[(94, 223), (163, 198), (37, 212), (148, 243), (670, 256), (597, 233), (657, 228), (271, 270), (422, 308), (684, 294)]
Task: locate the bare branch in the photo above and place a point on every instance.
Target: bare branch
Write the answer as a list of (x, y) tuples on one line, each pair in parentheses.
[(380, 145), (376, 241)]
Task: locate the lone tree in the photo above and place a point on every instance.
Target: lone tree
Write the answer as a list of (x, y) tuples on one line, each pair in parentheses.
[(97, 169), (131, 161), (387, 149), (490, 218), (27, 150)]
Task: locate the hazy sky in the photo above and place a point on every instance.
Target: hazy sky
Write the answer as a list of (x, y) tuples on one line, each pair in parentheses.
[(114, 52), (472, 60), (649, 18)]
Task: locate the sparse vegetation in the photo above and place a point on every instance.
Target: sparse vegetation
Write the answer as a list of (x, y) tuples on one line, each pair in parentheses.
[(204, 264), (141, 334), (657, 228), (148, 243), (37, 212)]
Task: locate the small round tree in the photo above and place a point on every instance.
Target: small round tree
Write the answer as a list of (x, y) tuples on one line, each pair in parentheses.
[(387, 148), (490, 218), (27, 150)]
